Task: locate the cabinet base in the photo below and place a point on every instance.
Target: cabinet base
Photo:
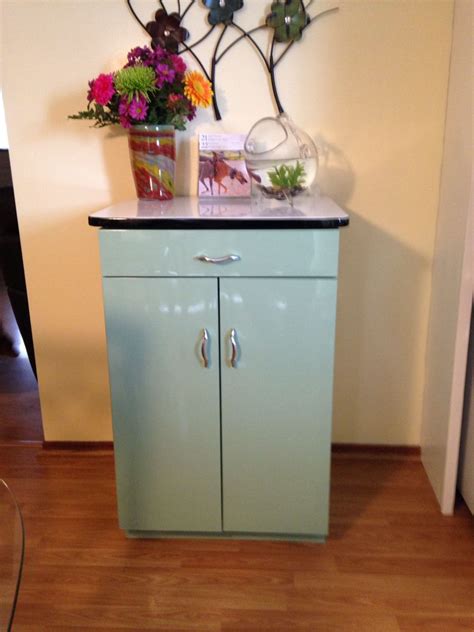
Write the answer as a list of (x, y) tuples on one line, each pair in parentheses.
[(287, 537)]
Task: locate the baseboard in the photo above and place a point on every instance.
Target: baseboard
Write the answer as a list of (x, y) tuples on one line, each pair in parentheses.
[(362, 449), (78, 445), (377, 450), (20, 443)]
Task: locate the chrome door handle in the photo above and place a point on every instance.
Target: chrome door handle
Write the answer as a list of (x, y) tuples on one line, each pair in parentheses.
[(204, 348), (218, 260), (234, 347)]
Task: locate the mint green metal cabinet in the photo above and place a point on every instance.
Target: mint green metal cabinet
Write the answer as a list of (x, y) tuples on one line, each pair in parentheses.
[(277, 358), (221, 378), (165, 402)]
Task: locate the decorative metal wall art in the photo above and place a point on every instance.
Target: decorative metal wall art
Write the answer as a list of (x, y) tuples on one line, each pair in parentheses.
[(285, 22)]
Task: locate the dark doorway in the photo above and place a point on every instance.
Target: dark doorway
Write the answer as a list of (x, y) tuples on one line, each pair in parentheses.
[(20, 417)]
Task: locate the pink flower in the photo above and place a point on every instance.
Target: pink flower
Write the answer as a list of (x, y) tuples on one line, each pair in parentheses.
[(138, 109), (178, 64), (101, 90), (123, 107), (173, 99)]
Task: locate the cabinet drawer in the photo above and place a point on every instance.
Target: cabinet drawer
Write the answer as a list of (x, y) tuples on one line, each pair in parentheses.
[(297, 252)]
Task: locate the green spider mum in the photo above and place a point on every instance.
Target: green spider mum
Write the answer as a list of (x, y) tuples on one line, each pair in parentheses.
[(288, 18), (135, 82)]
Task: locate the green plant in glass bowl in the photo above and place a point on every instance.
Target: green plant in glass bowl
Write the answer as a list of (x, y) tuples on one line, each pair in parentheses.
[(286, 181)]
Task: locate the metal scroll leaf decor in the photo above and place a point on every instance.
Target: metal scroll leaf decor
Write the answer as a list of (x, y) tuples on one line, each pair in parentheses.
[(285, 22)]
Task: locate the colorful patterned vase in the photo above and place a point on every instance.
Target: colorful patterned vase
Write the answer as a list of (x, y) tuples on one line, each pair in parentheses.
[(153, 158)]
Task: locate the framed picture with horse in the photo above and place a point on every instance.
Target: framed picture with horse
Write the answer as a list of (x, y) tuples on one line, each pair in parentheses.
[(222, 171)]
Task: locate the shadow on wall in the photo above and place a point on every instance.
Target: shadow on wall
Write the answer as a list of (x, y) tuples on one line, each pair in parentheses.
[(187, 161), (381, 338), (67, 410), (117, 165), (113, 141), (335, 175)]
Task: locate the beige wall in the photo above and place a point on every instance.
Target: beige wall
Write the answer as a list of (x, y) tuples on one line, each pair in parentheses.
[(369, 83)]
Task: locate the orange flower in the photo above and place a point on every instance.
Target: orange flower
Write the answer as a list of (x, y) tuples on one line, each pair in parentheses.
[(197, 89)]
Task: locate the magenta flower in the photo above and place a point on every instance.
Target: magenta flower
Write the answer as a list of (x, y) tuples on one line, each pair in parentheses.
[(124, 107), (101, 90), (124, 122), (178, 64), (138, 109)]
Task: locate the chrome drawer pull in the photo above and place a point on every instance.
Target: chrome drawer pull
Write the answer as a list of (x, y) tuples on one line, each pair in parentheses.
[(204, 348), (218, 260), (235, 350)]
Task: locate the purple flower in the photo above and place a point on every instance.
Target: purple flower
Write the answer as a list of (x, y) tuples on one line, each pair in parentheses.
[(159, 53), (138, 109), (139, 55), (136, 54), (192, 112), (165, 74)]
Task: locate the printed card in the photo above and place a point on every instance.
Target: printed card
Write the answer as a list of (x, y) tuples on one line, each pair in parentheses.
[(222, 171)]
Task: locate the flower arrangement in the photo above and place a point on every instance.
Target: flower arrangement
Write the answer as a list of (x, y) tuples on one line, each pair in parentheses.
[(154, 87)]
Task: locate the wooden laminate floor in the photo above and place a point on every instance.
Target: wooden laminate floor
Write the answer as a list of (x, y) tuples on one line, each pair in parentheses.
[(392, 563)]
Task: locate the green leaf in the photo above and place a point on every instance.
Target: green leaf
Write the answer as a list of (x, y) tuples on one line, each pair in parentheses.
[(277, 14), (274, 178), (288, 20), (293, 7), (286, 178)]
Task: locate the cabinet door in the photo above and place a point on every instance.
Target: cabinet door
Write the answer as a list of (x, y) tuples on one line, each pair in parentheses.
[(165, 403), (277, 403)]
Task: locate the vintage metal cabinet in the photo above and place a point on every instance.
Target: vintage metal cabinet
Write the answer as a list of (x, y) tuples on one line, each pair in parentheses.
[(220, 333)]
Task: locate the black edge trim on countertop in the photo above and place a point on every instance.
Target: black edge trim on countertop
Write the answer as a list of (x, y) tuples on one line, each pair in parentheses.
[(195, 223)]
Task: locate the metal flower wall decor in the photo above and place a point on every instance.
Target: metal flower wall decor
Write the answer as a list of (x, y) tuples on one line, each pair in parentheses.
[(285, 22)]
